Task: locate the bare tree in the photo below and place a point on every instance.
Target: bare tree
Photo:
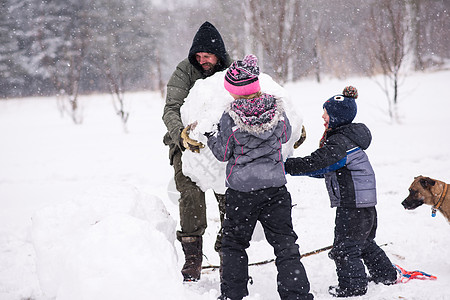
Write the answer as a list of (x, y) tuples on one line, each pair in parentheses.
[(276, 32), (389, 47), (67, 80), (116, 88), (64, 54), (416, 32), (319, 38), (111, 64), (429, 23)]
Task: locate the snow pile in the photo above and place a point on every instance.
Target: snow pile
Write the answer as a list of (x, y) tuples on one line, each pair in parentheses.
[(104, 244), (205, 104)]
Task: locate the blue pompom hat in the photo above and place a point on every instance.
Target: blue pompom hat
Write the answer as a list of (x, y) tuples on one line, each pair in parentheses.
[(342, 108)]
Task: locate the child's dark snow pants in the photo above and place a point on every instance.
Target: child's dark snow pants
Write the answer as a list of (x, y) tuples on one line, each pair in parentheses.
[(272, 207), (354, 244)]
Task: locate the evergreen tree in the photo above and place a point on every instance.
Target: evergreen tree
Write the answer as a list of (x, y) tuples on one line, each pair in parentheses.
[(10, 80)]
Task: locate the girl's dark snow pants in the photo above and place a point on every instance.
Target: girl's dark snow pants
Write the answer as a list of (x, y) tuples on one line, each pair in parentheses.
[(272, 207)]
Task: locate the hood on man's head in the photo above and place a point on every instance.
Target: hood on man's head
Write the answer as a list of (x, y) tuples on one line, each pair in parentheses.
[(208, 39)]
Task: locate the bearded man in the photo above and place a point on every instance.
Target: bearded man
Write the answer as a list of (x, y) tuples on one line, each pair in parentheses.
[(207, 56)]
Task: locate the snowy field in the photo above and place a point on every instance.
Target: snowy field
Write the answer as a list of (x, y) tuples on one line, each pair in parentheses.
[(89, 212)]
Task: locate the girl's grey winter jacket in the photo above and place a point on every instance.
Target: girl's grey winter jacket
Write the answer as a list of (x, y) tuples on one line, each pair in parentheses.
[(251, 133), (349, 176)]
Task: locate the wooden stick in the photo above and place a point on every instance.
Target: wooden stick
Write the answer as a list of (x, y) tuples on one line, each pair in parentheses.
[(272, 260), (267, 261)]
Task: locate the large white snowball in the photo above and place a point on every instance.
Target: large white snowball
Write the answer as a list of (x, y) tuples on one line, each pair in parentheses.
[(205, 104), (120, 257), (108, 241)]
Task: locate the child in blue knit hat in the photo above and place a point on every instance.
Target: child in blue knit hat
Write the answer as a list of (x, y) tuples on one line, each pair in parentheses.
[(350, 181)]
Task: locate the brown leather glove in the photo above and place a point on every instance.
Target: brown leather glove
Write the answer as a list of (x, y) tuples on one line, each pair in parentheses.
[(301, 139), (189, 143)]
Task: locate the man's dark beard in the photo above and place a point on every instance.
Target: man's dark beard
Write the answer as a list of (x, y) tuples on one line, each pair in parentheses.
[(212, 70)]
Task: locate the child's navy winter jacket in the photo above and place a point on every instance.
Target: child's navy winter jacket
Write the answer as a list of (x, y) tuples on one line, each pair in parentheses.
[(251, 133), (349, 176)]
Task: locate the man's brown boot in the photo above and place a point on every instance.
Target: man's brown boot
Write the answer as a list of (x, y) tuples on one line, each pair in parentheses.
[(192, 248)]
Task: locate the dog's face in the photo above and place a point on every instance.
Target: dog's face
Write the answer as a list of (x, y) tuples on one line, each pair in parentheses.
[(420, 192)]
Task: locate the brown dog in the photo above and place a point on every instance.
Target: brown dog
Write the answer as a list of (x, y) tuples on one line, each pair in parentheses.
[(429, 191)]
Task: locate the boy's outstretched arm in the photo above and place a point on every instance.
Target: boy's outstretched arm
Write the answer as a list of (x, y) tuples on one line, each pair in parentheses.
[(323, 160)]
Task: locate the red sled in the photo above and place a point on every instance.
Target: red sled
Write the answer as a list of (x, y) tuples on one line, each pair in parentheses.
[(406, 276)]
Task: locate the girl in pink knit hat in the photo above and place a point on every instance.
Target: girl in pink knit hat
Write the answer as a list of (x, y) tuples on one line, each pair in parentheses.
[(250, 135)]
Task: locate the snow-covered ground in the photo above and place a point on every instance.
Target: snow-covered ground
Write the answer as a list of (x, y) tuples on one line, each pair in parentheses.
[(89, 212)]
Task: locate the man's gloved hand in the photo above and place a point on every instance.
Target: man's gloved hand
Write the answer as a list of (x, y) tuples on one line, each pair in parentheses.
[(189, 143), (301, 139)]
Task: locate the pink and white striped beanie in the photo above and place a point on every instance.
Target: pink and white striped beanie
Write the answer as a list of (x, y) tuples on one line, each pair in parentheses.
[(241, 77)]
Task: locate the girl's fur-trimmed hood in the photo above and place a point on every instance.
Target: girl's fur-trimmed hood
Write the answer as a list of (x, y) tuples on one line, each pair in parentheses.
[(256, 115)]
